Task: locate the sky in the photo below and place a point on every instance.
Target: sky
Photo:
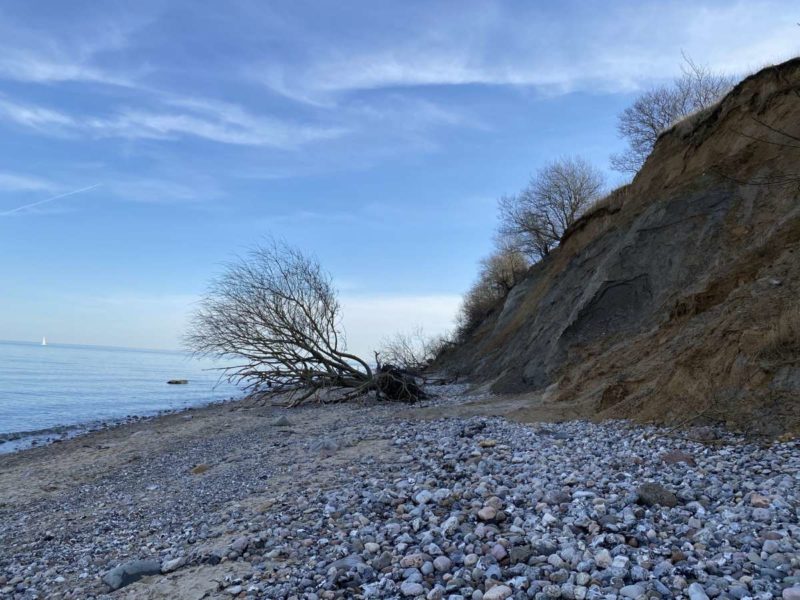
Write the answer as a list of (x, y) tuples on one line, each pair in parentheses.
[(146, 144)]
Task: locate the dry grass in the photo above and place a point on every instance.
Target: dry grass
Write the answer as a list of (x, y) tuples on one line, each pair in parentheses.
[(611, 202), (686, 125), (783, 341)]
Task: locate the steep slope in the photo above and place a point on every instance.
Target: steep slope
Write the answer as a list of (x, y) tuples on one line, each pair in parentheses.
[(677, 297)]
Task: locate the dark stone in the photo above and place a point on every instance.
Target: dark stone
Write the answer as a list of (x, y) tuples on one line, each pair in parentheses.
[(520, 554), (557, 497), (349, 562), (677, 456), (651, 494)]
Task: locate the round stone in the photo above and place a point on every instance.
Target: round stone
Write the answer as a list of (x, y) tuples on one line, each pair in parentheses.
[(442, 564)]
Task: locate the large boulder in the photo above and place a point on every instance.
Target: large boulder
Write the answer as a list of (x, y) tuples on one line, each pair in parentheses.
[(129, 572)]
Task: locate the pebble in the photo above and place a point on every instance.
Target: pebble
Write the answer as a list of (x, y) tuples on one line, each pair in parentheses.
[(442, 564), (696, 592), (487, 513), (412, 588), (791, 593), (498, 592), (632, 591)]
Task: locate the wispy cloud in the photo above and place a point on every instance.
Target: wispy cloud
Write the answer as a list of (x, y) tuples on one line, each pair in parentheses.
[(23, 65), (217, 122), (70, 53), (14, 182), (34, 116), (617, 48), (30, 205), (222, 127)]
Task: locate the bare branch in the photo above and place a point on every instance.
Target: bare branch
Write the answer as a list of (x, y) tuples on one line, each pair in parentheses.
[(276, 313)]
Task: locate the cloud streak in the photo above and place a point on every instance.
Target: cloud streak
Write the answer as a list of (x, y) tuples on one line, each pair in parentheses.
[(48, 200), (223, 123), (622, 47)]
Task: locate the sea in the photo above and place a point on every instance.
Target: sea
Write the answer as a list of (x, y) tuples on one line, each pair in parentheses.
[(59, 390)]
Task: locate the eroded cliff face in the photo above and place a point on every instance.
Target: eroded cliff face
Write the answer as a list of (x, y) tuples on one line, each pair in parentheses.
[(660, 303)]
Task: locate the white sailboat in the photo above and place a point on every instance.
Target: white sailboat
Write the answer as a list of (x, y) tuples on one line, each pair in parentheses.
[(44, 341)]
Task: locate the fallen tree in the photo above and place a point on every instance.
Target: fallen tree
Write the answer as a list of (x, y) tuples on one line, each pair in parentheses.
[(275, 314)]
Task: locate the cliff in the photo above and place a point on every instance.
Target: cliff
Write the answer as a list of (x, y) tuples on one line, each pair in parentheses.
[(677, 298)]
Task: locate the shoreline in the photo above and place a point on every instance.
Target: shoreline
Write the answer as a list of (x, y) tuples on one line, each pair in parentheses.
[(18, 441), (377, 500)]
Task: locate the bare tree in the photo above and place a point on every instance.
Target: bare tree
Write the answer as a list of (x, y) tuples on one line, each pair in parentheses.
[(534, 220), (276, 313), (659, 108)]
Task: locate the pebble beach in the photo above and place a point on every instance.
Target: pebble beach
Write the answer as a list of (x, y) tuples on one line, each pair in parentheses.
[(367, 500)]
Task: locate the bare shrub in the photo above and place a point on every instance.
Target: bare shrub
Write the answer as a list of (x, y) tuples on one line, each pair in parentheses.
[(657, 109), (275, 313), (478, 302), (411, 351), (498, 275), (534, 220)]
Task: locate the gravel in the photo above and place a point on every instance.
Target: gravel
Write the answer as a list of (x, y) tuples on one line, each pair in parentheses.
[(359, 503)]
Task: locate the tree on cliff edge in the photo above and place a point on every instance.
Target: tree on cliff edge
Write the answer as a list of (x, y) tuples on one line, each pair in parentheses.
[(276, 315), (534, 220), (661, 107)]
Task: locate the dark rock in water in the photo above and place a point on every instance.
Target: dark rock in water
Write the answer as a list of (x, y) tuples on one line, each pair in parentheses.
[(282, 422), (178, 381), (130, 572), (651, 494)]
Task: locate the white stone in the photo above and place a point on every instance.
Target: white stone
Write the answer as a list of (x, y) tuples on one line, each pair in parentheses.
[(498, 592)]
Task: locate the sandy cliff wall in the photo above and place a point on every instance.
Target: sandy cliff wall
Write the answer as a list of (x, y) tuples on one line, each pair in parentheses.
[(663, 302)]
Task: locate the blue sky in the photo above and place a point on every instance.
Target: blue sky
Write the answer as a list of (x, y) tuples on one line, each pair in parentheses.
[(376, 135)]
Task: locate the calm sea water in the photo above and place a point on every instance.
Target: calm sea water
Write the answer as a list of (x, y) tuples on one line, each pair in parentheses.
[(42, 387)]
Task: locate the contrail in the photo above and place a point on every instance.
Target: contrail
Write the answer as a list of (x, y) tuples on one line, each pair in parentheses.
[(46, 200)]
